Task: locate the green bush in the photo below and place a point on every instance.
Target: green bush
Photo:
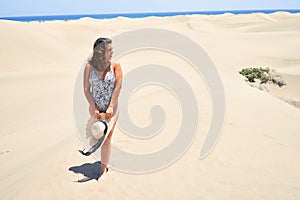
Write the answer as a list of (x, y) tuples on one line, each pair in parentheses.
[(256, 73)]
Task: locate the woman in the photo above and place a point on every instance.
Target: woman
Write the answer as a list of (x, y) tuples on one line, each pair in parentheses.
[(102, 85)]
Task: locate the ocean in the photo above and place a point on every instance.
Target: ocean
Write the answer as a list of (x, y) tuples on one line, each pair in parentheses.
[(138, 15)]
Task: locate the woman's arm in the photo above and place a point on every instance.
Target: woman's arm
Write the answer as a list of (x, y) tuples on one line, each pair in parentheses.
[(118, 84), (86, 84)]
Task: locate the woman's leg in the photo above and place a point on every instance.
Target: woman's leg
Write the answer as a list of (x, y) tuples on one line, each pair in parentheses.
[(105, 150)]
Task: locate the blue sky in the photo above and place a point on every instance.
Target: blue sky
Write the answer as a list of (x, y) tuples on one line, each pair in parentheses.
[(55, 7)]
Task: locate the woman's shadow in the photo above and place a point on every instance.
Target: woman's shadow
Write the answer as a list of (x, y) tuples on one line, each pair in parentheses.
[(89, 170)]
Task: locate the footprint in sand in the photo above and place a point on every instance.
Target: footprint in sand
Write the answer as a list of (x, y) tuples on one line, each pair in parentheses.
[(3, 152)]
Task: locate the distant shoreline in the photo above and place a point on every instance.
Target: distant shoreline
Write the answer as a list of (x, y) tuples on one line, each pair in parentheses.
[(139, 15)]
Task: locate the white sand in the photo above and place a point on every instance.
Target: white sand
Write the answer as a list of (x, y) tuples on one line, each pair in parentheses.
[(257, 157)]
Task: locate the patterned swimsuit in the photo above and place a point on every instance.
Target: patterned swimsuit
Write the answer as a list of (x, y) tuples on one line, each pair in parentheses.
[(102, 90)]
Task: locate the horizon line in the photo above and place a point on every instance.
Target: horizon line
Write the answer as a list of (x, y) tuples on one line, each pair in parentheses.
[(183, 12)]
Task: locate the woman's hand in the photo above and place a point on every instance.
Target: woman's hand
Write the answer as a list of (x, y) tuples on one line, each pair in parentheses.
[(101, 115), (97, 114), (109, 112)]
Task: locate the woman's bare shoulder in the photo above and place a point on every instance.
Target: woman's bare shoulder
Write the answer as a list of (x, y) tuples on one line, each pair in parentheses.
[(88, 66), (116, 65)]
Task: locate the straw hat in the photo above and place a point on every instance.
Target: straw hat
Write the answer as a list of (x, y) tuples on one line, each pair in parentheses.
[(98, 129), (95, 130)]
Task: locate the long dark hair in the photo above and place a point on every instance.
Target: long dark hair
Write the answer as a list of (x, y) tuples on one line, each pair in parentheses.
[(98, 59)]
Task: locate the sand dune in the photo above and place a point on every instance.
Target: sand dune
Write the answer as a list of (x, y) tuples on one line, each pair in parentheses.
[(257, 157)]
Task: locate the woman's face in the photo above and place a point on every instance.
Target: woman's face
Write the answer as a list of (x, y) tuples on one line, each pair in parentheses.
[(108, 52)]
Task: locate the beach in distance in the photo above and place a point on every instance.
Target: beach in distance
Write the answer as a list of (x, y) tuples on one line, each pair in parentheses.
[(256, 157)]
